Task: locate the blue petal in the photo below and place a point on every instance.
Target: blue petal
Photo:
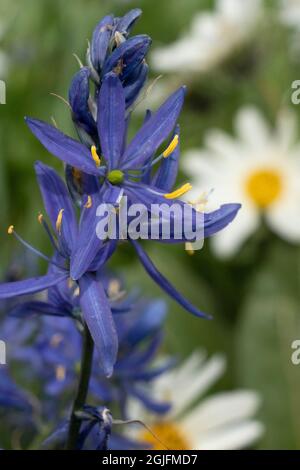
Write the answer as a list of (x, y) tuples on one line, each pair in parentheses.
[(100, 41), (78, 97), (88, 244), (164, 283), (138, 359), (194, 225), (111, 119), (149, 321), (30, 286), (27, 309), (166, 175), (129, 54), (11, 395), (134, 86), (99, 319), (58, 438), (127, 21), (63, 147), (56, 197), (219, 219), (154, 132)]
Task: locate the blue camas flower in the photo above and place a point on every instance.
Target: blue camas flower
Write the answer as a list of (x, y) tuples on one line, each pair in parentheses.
[(55, 352), (110, 169), (110, 50), (65, 237)]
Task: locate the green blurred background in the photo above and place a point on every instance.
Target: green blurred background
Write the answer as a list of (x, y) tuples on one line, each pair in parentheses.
[(255, 296)]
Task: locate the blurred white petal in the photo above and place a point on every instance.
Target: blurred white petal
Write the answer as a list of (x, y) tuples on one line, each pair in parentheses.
[(235, 437), (230, 240), (222, 409)]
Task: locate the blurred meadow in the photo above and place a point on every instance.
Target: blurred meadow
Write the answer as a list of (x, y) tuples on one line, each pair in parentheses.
[(254, 294)]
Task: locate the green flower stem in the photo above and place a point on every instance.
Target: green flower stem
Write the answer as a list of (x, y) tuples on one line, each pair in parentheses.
[(82, 391)]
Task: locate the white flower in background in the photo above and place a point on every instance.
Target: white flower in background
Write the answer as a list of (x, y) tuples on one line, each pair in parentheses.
[(212, 37), (259, 169), (290, 13), (221, 421)]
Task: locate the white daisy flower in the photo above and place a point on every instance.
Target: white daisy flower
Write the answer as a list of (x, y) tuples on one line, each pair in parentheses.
[(290, 13), (213, 36), (259, 169), (222, 421)]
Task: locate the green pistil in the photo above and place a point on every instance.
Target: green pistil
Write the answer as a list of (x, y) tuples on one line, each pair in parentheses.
[(115, 177)]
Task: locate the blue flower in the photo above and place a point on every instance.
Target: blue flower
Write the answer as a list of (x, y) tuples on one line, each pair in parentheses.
[(55, 352), (126, 170), (65, 236), (110, 50)]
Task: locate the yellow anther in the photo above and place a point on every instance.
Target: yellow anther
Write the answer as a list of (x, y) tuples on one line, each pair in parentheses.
[(56, 340), (77, 175), (88, 203), (59, 220), (60, 373), (10, 230), (40, 217), (95, 155), (171, 147), (189, 248), (76, 292), (179, 192)]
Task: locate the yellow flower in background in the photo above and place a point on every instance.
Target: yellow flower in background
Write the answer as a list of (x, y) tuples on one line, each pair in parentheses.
[(260, 168), (212, 37), (222, 421)]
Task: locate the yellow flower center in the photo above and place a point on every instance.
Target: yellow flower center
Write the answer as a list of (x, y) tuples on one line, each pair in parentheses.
[(168, 433), (264, 187)]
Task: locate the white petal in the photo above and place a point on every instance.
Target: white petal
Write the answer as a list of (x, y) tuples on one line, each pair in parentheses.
[(229, 241), (222, 409), (197, 384), (223, 145), (286, 129), (199, 165), (181, 53), (172, 385), (232, 438), (252, 128), (284, 219)]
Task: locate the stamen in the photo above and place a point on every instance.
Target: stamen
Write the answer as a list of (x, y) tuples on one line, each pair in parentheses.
[(170, 149), (179, 192), (77, 175), (59, 220), (88, 203), (11, 231), (189, 248), (48, 231), (95, 155), (60, 373), (76, 292), (137, 421)]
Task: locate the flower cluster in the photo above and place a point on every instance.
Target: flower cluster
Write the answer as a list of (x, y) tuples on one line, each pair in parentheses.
[(82, 307)]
